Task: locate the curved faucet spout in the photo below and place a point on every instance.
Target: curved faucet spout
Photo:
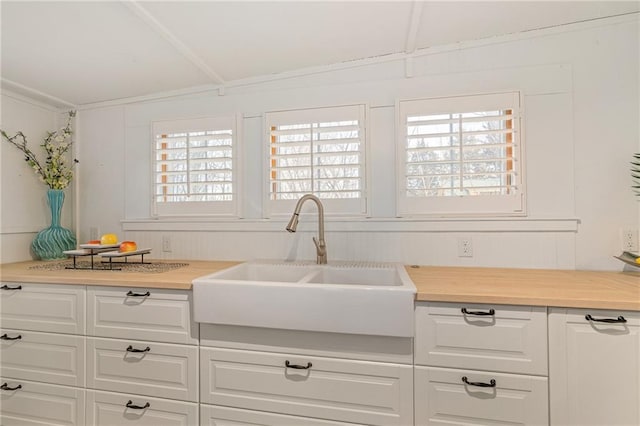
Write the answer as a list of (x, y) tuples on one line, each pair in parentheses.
[(321, 247)]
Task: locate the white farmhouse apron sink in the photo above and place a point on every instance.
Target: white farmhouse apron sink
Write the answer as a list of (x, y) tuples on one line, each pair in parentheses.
[(341, 297)]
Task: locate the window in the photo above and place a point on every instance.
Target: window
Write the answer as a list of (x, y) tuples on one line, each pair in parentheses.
[(195, 165), (461, 156), (319, 151)]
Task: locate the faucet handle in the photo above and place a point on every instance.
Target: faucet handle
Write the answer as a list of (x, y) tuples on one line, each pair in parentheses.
[(321, 247)]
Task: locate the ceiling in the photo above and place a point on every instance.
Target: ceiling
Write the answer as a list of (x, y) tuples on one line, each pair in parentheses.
[(84, 52)]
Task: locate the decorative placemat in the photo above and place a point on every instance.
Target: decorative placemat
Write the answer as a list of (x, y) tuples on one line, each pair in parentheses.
[(85, 265)]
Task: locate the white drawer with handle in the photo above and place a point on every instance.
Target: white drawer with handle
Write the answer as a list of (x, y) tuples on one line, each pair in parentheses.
[(43, 357), (43, 307), (300, 385), (146, 368), (214, 415), (445, 396), (111, 409), (29, 403), (144, 314), (510, 339)]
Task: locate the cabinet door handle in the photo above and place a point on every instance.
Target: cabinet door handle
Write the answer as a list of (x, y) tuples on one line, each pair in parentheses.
[(480, 313), (6, 337), (131, 349), (620, 319), (5, 386), (130, 404), (131, 293), (491, 384), (6, 287), (297, 366)]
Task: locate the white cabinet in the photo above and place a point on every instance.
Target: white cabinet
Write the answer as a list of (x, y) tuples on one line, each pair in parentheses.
[(144, 314), (30, 403), (147, 368), (279, 377), (111, 409), (480, 364), (594, 367)]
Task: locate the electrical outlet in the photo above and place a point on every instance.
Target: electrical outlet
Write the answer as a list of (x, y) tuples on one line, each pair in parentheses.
[(94, 233), (630, 240), (465, 247), (166, 243)]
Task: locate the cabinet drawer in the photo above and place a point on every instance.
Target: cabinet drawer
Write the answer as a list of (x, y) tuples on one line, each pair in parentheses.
[(43, 307), (213, 415), (144, 314), (511, 339), (109, 409), (442, 398), (163, 370), (40, 404), (43, 357), (331, 389)]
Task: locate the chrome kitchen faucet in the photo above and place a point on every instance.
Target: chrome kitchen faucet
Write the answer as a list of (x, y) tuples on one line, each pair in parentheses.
[(321, 247)]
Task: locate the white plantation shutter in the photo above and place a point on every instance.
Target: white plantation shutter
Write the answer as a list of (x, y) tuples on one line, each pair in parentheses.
[(319, 151), (461, 155), (194, 167)]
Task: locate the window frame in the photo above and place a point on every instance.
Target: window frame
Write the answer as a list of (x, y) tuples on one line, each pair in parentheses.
[(213, 209), (348, 207), (462, 206)]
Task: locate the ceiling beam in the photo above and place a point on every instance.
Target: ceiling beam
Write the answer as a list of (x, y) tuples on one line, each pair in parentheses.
[(182, 48), (36, 94), (414, 26)]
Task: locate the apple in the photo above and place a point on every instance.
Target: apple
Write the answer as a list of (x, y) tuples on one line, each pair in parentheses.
[(107, 239), (128, 246)]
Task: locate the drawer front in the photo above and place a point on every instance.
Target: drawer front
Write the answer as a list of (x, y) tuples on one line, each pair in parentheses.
[(110, 409), (164, 370), (213, 415), (43, 307), (144, 314), (442, 398), (331, 389), (43, 357), (40, 404), (513, 339)]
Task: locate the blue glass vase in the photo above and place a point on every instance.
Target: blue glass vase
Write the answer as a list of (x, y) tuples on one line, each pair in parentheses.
[(50, 243)]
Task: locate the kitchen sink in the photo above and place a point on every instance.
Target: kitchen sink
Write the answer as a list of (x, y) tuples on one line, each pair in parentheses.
[(341, 297)]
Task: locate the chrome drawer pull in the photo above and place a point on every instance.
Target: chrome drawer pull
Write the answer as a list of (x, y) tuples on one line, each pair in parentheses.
[(130, 404), (131, 349), (296, 366), (6, 287), (491, 384), (620, 319), (130, 293), (481, 313), (5, 386), (6, 337)]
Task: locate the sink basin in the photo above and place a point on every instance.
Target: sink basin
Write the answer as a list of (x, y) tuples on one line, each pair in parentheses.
[(342, 297)]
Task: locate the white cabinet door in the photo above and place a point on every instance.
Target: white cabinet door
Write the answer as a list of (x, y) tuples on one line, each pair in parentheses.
[(43, 357), (213, 415), (116, 409), (594, 367), (146, 368), (448, 397), (511, 339), (40, 404), (43, 307), (300, 385), (142, 314)]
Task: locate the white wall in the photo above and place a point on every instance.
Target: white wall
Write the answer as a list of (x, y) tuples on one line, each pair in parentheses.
[(581, 126), (23, 203)]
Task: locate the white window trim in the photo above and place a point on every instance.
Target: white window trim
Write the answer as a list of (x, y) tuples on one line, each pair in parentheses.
[(210, 209), (337, 208), (453, 207)]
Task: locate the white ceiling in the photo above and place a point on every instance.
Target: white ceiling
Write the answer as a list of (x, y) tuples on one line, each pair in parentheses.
[(92, 51)]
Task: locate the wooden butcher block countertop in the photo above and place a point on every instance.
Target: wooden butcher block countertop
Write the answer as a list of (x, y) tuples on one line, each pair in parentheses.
[(561, 288)]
